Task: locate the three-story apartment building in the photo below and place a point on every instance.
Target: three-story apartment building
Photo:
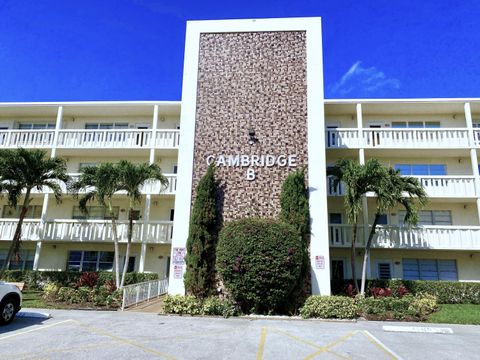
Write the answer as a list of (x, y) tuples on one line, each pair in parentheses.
[(434, 140)]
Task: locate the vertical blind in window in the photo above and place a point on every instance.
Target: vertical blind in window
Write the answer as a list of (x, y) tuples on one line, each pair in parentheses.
[(430, 217), (429, 269), (384, 271)]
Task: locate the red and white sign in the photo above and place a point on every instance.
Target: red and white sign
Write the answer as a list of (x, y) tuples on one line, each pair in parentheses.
[(319, 262), (178, 271), (179, 256)]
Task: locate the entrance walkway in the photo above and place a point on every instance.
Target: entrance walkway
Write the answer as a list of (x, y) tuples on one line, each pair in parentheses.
[(152, 306)]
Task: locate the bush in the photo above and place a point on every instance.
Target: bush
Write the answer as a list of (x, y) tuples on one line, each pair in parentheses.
[(182, 305), (408, 307), (202, 239), (446, 292), (89, 279), (260, 262), (69, 295), (36, 280), (329, 307), (222, 307), (190, 305), (50, 291)]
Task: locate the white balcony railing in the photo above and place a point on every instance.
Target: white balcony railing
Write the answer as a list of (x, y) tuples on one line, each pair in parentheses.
[(104, 138), (31, 229), (424, 237), (167, 139), (435, 186), (26, 138), (90, 139), (158, 232), (342, 138), (398, 138), (448, 186)]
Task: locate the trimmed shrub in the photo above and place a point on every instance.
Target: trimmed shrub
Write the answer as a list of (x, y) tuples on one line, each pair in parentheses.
[(182, 305), (446, 292), (295, 210), (329, 307), (202, 238), (260, 262), (408, 307), (223, 307)]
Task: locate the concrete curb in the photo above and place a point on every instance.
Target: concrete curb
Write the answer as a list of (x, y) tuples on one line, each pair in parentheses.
[(33, 315)]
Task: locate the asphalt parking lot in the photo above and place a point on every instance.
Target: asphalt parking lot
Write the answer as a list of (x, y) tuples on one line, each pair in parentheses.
[(115, 335)]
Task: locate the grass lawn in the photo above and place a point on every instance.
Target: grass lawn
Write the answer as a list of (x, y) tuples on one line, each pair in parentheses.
[(456, 314), (33, 299)]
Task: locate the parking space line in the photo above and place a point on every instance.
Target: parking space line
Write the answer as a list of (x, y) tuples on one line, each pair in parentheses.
[(326, 348), (124, 341), (40, 327), (261, 346), (381, 345)]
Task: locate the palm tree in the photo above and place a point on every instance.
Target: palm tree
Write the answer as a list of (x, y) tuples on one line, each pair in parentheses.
[(133, 177), (392, 189), (357, 180), (22, 171), (100, 183)]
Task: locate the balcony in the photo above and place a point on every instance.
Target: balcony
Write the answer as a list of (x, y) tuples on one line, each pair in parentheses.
[(90, 139), (382, 138), (26, 138), (422, 238), (157, 232), (435, 186)]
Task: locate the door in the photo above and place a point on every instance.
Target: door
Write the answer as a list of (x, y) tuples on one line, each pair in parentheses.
[(142, 137), (332, 138), (336, 237), (337, 275), (374, 139)]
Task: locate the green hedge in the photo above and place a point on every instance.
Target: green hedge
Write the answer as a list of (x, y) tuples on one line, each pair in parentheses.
[(447, 292), (190, 305), (409, 307), (35, 280), (260, 262), (329, 307)]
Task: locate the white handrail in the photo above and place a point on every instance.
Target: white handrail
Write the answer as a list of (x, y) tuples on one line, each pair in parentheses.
[(144, 291)]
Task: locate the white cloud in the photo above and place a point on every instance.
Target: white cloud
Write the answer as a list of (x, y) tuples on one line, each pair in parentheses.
[(363, 81)]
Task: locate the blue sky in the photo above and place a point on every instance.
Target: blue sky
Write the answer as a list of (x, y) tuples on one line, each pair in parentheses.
[(64, 50)]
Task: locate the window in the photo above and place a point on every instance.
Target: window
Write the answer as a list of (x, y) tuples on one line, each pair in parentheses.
[(430, 217), (175, 169), (415, 124), (84, 165), (94, 213), (106, 126), (25, 262), (33, 212), (422, 169), (33, 126), (430, 269), (383, 219), (90, 260), (384, 270)]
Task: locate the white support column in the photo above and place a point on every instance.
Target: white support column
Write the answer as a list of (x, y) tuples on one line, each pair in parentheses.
[(148, 197), (361, 159), (58, 126), (473, 155), (43, 219), (146, 220)]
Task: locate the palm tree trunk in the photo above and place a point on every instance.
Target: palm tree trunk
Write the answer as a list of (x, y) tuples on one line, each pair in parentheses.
[(367, 252), (352, 260), (15, 245), (129, 241), (115, 244)]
